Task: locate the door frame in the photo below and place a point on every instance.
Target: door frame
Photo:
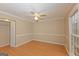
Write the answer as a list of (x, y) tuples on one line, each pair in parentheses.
[(71, 52), (12, 30), (12, 33)]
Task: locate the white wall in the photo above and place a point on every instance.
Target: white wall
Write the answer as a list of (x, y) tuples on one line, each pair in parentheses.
[(23, 28), (23, 31), (51, 30)]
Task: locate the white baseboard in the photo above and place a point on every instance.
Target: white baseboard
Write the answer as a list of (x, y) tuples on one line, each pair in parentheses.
[(22, 38), (47, 41), (2, 44), (23, 43), (67, 50)]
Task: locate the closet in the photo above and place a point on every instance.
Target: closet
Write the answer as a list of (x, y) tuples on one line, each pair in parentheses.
[(4, 33), (7, 33)]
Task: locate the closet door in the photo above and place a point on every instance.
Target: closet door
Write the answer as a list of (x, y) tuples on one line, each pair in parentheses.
[(4, 33)]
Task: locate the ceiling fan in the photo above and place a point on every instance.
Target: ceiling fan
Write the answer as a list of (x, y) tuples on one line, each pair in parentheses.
[(37, 16)]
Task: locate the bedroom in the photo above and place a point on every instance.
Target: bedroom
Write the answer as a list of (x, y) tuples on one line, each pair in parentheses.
[(39, 29)]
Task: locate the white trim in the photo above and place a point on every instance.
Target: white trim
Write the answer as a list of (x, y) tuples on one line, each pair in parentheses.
[(53, 19), (47, 41), (13, 34), (70, 35), (23, 43), (23, 36), (7, 20), (2, 44), (14, 16), (74, 8), (17, 35), (49, 34), (66, 49), (21, 18), (75, 35), (71, 49)]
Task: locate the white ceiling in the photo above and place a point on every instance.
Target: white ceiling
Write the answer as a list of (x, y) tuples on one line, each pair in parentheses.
[(52, 10)]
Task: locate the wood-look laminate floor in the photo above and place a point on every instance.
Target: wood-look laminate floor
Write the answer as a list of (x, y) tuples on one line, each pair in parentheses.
[(35, 48)]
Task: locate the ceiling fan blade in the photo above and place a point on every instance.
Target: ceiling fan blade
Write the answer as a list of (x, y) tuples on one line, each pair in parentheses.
[(40, 18), (43, 15), (35, 14)]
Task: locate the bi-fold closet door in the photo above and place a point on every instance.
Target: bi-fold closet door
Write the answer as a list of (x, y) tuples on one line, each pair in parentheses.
[(7, 32), (4, 33), (74, 33)]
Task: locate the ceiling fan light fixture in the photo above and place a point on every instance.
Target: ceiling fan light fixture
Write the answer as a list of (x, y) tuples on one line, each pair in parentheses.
[(36, 18)]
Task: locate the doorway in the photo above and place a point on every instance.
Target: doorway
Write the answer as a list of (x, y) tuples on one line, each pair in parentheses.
[(8, 33)]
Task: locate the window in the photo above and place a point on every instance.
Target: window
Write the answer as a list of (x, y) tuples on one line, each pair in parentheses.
[(74, 19)]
